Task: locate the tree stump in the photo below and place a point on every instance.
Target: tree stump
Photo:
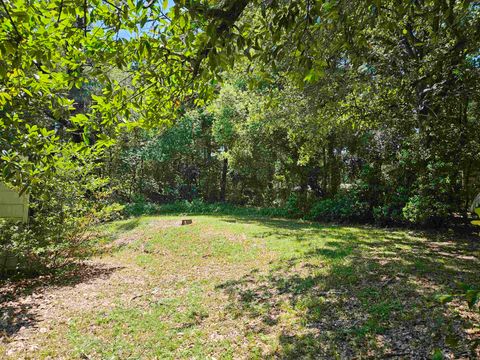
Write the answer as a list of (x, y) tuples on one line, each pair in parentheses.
[(186, 222)]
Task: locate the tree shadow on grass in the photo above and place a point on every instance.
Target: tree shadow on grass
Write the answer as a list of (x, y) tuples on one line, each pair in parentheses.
[(361, 293), (128, 225), (20, 300), (275, 223)]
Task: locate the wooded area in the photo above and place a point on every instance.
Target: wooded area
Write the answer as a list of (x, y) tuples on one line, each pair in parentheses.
[(332, 111)]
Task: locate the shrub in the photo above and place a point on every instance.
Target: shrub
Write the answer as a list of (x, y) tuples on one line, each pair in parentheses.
[(63, 208), (425, 210), (14, 238), (198, 207), (433, 199), (292, 208), (49, 241), (345, 206), (387, 214), (109, 212), (140, 207)]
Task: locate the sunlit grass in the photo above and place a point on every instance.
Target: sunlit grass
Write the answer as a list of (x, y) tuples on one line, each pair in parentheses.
[(239, 287)]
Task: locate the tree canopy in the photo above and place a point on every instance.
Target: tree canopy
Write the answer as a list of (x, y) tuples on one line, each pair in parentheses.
[(279, 99)]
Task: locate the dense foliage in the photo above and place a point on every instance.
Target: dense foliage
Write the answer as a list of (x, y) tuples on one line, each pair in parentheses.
[(342, 111), (330, 110)]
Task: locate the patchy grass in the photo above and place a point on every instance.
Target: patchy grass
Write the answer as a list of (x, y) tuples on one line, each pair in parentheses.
[(244, 287)]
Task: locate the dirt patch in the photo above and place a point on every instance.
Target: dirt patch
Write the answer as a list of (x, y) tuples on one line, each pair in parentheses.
[(33, 307)]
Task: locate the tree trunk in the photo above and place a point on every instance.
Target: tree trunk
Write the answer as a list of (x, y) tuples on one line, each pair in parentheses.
[(223, 185)]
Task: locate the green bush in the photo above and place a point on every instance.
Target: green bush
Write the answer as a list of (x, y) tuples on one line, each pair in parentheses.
[(433, 199), (199, 207), (63, 209), (140, 207), (389, 211), (49, 241), (387, 214), (14, 249), (425, 210), (109, 212), (345, 206), (292, 208)]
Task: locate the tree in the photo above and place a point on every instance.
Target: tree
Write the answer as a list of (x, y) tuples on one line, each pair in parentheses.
[(380, 95)]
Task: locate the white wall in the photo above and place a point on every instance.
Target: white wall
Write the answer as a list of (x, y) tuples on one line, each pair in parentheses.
[(13, 206)]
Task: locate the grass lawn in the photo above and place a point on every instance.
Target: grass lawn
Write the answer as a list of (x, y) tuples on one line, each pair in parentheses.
[(244, 287)]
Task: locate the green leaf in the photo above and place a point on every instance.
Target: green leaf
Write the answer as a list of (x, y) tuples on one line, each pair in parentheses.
[(79, 119), (311, 76), (465, 287), (472, 296), (437, 354), (445, 298)]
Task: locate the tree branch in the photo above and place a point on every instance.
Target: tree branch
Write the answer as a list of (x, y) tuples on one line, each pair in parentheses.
[(11, 20), (60, 11), (226, 17)]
